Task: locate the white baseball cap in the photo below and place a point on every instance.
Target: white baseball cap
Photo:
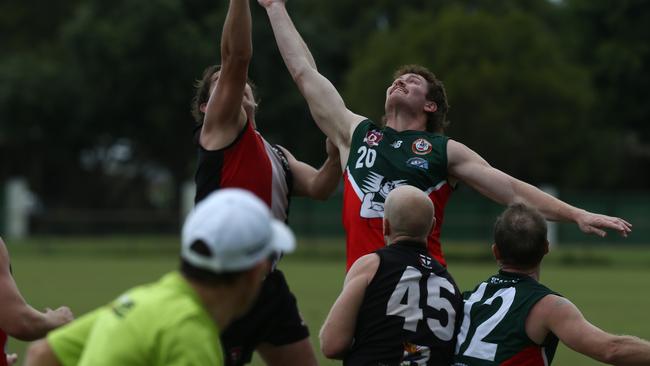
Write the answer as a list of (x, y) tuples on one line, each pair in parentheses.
[(238, 230)]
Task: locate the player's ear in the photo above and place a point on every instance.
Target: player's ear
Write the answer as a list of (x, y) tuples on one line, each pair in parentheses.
[(546, 248), (203, 107), (386, 227), (430, 106), (496, 253)]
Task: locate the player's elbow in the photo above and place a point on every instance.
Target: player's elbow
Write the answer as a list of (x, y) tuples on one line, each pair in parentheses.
[(332, 346), (615, 350), (300, 72), (333, 350)]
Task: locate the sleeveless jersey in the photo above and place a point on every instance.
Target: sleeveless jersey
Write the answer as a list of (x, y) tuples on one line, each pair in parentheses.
[(380, 160), (250, 163), (410, 311), (3, 344), (493, 331)]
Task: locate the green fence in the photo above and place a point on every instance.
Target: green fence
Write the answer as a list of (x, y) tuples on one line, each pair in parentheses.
[(470, 216)]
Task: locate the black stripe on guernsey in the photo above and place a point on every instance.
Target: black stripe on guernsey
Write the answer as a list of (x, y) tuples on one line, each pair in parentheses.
[(208, 173), (210, 166)]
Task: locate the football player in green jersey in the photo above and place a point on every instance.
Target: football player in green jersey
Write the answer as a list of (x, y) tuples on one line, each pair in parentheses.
[(512, 319), (416, 103)]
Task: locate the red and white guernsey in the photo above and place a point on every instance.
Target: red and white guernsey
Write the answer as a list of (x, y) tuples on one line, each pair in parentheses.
[(380, 160), (250, 163)]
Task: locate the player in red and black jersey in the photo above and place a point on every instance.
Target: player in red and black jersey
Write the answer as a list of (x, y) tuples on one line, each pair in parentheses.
[(233, 154), (415, 110)]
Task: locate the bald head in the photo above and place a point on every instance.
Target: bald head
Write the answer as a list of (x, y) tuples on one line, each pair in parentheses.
[(408, 215)]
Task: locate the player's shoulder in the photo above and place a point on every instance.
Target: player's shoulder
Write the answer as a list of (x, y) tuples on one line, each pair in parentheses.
[(365, 266)]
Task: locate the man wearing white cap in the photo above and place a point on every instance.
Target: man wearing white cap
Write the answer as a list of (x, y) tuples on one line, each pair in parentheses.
[(228, 243)]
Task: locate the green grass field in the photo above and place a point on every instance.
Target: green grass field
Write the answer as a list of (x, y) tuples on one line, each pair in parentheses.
[(608, 283)]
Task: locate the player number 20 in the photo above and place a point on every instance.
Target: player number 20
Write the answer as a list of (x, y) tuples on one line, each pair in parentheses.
[(367, 157), (409, 287)]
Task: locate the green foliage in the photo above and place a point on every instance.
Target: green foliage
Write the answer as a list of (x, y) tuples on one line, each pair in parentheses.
[(612, 40), (551, 92), (510, 83)]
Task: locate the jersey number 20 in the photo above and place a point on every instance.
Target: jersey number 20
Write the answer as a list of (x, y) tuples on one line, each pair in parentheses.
[(367, 157)]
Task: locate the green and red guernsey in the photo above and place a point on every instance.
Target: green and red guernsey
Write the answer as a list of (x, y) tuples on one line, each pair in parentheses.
[(380, 160), (493, 329)]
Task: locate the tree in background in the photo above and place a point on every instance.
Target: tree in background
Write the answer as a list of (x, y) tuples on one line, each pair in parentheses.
[(94, 95), (515, 97), (612, 41)]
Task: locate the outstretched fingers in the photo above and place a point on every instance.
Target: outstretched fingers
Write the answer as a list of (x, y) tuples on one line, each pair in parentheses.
[(596, 224)]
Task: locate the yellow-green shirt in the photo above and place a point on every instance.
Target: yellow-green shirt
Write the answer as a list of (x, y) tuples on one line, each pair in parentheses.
[(163, 323)]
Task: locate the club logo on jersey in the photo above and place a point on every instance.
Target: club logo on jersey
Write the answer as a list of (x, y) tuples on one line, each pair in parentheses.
[(421, 146), (373, 137), (122, 305), (426, 261), (418, 163), (415, 355), (397, 144), (375, 189)]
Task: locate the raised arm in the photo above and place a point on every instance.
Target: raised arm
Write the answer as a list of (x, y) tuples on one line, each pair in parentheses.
[(17, 318), (317, 184), (469, 167), (337, 333), (224, 115), (325, 103), (560, 316)]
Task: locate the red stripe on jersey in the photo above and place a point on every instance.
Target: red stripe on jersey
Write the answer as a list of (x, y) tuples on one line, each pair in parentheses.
[(3, 344), (364, 236), (246, 165), (529, 356)]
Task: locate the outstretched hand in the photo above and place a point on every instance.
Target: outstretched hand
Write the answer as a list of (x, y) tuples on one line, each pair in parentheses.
[(267, 3), (591, 223)]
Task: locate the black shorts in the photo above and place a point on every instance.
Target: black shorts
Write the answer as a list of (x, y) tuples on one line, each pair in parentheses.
[(274, 319)]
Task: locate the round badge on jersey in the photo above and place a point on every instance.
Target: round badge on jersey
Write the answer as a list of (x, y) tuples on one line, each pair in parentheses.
[(373, 137), (421, 146)]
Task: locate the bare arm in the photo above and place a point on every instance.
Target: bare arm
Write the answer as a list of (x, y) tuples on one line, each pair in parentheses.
[(470, 168), (336, 335), (17, 318), (317, 184), (563, 318), (224, 116), (325, 103)]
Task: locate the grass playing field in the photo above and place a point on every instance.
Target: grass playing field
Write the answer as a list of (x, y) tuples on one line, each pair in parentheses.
[(610, 284)]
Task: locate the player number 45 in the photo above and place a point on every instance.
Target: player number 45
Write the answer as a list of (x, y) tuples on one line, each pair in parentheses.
[(409, 287)]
